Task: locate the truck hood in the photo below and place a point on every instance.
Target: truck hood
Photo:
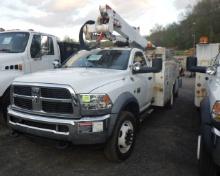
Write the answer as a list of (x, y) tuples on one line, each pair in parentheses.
[(82, 80), (7, 59)]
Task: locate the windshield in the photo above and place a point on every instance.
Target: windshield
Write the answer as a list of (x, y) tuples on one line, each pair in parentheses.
[(108, 59), (13, 42)]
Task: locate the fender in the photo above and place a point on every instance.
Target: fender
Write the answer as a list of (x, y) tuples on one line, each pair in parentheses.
[(6, 78), (5, 99), (206, 117), (121, 102)]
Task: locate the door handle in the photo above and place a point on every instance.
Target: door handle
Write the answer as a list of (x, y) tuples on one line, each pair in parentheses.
[(149, 78)]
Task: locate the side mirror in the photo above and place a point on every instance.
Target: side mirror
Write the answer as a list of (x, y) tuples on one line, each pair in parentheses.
[(156, 67), (136, 66), (191, 65), (56, 64), (211, 70)]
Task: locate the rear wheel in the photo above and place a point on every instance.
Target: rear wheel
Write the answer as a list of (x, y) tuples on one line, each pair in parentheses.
[(176, 89), (206, 165), (121, 143)]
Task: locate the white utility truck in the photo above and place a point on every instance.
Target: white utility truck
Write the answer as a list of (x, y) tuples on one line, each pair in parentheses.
[(23, 52), (207, 97), (98, 96)]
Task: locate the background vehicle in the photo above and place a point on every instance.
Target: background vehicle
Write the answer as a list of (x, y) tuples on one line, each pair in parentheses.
[(98, 96), (207, 91), (23, 52)]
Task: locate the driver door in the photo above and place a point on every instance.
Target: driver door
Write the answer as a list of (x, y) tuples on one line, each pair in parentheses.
[(42, 53), (143, 82)]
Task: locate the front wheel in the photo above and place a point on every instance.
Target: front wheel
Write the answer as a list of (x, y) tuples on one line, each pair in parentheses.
[(121, 143), (206, 164), (176, 89)]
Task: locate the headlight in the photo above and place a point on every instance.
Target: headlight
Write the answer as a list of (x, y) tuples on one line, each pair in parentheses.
[(216, 111), (95, 104)]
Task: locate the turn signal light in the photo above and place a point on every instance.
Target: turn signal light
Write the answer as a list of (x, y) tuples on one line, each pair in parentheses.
[(20, 67), (204, 40), (106, 99), (216, 110), (149, 45)]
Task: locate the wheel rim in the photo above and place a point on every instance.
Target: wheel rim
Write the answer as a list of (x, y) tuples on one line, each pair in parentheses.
[(125, 136), (198, 147), (171, 99)]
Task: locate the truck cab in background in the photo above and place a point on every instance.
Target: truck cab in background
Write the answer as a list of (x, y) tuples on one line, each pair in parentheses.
[(207, 98), (23, 52)]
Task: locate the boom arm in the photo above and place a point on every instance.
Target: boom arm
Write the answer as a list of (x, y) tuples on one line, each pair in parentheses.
[(108, 22)]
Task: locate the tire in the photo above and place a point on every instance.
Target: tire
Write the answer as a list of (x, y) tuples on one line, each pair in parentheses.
[(120, 146), (205, 161), (176, 94)]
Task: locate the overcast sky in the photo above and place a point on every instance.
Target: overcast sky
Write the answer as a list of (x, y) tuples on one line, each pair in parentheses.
[(65, 17)]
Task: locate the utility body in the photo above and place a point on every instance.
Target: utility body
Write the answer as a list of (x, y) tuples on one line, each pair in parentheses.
[(98, 96)]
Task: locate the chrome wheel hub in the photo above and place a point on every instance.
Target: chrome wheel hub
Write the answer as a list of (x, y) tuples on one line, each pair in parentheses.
[(125, 137)]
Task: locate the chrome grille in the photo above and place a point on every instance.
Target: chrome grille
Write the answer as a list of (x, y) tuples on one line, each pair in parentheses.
[(23, 103), (58, 107), (55, 93), (22, 90), (49, 101)]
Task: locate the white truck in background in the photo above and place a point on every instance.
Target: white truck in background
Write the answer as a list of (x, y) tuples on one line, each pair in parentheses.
[(205, 54), (206, 64), (23, 52), (98, 96)]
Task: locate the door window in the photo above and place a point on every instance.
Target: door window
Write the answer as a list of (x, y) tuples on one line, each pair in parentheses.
[(47, 45), (36, 46), (41, 45), (139, 57)]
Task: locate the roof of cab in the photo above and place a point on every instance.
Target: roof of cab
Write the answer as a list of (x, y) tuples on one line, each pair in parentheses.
[(29, 31)]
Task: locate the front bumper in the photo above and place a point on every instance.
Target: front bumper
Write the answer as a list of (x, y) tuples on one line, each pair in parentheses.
[(87, 130)]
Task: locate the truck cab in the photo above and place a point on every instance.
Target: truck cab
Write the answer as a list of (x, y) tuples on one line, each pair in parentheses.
[(207, 98), (23, 52)]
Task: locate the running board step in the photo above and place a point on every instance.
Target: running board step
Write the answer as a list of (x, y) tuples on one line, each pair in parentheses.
[(145, 114)]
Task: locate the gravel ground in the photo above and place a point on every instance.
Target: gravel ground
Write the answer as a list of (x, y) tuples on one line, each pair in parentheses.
[(165, 146)]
